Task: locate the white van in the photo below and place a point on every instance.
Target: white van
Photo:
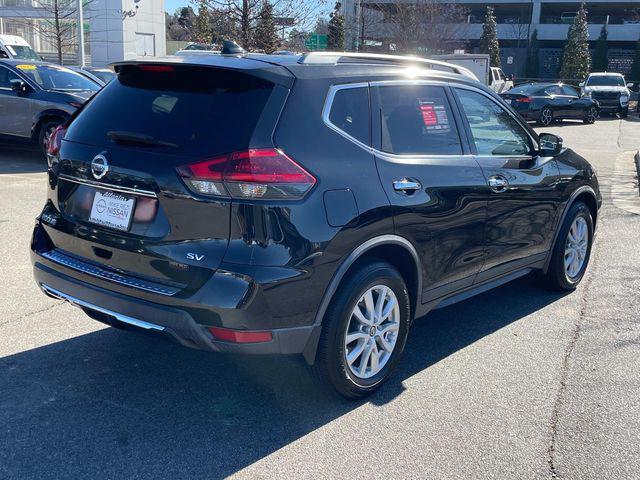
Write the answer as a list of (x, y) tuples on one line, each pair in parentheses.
[(12, 46)]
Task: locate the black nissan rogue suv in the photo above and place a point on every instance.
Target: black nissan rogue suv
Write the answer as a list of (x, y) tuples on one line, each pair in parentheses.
[(309, 205)]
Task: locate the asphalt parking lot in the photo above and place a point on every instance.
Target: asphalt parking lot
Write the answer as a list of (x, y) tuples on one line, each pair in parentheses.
[(517, 383)]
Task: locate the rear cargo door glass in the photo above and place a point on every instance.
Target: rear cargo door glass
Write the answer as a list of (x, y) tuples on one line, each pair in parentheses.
[(181, 110)]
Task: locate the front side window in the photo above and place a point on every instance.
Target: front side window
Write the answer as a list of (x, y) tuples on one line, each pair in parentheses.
[(417, 120), (350, 112), (6, 76), (494, 131)]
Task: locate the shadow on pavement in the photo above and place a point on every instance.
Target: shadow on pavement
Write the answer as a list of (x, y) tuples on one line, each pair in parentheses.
[(21, 159), (120, 405)]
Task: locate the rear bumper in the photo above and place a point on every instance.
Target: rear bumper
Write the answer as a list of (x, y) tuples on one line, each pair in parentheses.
[(175, 323)]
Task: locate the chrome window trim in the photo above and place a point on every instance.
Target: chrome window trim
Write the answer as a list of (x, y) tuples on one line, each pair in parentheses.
[(326, 112), (108, 186)]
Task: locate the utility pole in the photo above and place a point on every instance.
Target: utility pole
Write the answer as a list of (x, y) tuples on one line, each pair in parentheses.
[(80, 33)]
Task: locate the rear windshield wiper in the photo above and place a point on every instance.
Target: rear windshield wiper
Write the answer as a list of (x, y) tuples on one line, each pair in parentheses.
[(133, 138)]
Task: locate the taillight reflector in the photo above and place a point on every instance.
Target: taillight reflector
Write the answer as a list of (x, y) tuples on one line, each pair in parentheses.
[(55, 140), (240, 336), (266, 173), (523, 99)]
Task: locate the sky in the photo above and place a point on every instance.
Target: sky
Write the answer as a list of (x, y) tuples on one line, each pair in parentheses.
[(172, 5)]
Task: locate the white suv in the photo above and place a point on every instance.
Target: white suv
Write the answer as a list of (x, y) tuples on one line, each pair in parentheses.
[(609, 90)]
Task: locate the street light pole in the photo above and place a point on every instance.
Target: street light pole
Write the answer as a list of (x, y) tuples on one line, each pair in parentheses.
[(80, 33)]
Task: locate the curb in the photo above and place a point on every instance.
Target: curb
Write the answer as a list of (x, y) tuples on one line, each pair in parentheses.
[(637, 162)]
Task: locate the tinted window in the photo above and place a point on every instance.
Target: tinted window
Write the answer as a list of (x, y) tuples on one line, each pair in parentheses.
[(605, 80), (350, 112), (6, 76), (553, 90), (494, 131), (567, 90), (200, 111), (417, 119)]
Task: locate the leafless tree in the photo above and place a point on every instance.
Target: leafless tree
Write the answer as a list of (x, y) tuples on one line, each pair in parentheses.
[(244, 14), (58, 25), (427, 27)]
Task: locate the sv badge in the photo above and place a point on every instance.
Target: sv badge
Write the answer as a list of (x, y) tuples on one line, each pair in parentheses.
[(194, 256)]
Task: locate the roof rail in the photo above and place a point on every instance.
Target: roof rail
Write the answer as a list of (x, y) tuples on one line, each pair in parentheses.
[(334, 58)]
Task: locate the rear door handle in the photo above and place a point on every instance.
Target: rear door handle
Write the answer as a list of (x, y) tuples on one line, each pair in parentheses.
[(498, 184), (406, 185)]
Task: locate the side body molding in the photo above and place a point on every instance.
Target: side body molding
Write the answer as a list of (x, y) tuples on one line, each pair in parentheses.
[(312, 344)]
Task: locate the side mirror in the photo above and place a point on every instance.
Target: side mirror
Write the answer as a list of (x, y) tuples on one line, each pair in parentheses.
[(630, 85), (510, 77), (581, 84), (20, 87), (550, 145), (3, 54)]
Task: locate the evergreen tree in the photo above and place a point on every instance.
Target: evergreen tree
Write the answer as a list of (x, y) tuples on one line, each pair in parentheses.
[(600, 58), (532, 69), (634, 75), (489, 38), (266, 35), (576, 60), (202, 24), (335, 38)]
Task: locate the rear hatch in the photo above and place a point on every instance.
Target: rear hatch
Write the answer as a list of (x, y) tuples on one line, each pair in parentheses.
[(121, 202)]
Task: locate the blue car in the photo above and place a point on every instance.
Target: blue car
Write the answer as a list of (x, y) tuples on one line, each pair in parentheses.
[(545, 103)]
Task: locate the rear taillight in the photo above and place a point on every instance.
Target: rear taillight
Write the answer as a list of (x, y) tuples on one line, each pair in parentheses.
[(252, 174), (53, 144), (523, 99)]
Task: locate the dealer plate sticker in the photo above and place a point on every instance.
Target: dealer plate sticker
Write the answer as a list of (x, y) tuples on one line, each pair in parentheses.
[(112, 210)]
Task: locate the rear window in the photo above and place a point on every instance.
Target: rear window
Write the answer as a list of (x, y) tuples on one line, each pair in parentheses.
[(187, 110)]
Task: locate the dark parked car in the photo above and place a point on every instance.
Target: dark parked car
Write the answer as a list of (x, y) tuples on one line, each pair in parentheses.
[(308, 205), (37, 97), (97, 74), (546, 102)]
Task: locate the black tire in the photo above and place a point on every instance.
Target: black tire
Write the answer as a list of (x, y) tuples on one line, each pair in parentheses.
[(556, 276), (590, 115), (624, 113), (546, 117), (331, 369), (46, 129)]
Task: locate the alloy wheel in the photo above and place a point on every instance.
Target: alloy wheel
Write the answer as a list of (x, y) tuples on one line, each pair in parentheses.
[(372, 331), (575, 252)]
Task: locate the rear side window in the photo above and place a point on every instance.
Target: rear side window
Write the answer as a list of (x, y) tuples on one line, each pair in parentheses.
[(417, 120), (350, 112), (191, 111), (570, 91)]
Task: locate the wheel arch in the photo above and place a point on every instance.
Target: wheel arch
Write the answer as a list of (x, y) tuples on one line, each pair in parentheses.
[(585, 194), (394, 249), (46, 115)]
